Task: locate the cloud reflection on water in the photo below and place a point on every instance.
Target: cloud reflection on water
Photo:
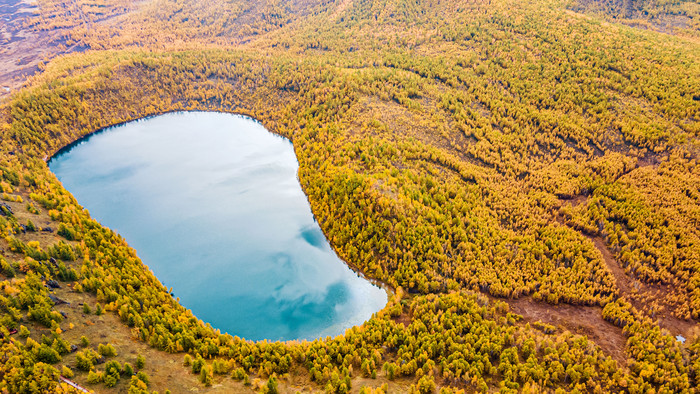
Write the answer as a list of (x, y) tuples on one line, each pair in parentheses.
[(212, 204)]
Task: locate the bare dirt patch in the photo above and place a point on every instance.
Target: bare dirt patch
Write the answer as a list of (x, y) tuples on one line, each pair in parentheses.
[(651, 299), (623, 281), (638, 293), (404, 318), (582, 320)]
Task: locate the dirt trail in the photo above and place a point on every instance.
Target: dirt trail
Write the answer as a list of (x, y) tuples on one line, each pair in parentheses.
[(639, 293), (624, 282), (634, 291), (581, 320)]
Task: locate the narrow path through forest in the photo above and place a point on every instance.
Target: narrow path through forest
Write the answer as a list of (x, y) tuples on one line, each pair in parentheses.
[(623, 281), (633, 290)]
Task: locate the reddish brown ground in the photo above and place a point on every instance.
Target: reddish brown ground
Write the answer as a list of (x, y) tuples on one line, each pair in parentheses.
[(588, 320), (637, 292), (581, 320)]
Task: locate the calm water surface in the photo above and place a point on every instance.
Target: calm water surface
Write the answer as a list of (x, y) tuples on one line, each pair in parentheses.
[(212, 205)]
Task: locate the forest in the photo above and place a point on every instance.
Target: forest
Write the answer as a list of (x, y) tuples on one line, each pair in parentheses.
[(495, 169)]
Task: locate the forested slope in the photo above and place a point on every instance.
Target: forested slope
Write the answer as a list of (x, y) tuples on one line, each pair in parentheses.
[(516, 149)]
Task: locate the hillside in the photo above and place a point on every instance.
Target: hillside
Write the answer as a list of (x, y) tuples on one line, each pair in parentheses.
[(524, 174)]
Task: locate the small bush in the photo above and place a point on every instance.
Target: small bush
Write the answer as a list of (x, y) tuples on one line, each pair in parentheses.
[(23, 332), (106, 350), (140, 361), (67, 372), (94, 377)]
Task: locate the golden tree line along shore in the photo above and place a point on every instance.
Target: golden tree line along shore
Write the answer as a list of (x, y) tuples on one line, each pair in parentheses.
[(506, 170)]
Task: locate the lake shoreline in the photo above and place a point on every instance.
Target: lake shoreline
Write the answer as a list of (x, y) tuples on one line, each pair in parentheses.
[(159, 182)]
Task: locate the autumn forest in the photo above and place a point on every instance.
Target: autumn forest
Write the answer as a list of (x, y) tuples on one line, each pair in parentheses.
[(523, 175)]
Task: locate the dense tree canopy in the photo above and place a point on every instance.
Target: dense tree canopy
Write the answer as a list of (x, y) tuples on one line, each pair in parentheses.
[(515, 149)]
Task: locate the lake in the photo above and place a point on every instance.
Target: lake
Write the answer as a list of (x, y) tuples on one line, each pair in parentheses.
[(212, 204)]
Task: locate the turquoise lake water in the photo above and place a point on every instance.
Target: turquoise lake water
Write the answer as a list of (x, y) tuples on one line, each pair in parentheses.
[(212, 204)]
